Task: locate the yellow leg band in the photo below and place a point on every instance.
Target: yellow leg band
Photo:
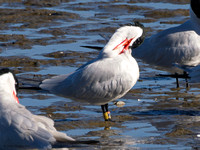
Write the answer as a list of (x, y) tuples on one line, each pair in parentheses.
[(107, 116)]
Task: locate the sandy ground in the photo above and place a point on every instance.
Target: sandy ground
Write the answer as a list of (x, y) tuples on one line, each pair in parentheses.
[(39, 39)]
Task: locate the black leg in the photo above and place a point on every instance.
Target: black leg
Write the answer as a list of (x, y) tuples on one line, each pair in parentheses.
[(106, 113), (176, 75), (177, 82), (103, 110), (186, 79), (187, 85)]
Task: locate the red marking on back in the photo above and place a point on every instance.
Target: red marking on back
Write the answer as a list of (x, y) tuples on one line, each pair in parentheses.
[(16, 98)]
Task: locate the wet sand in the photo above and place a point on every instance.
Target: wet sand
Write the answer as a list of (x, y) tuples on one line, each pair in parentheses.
[(40, 39)]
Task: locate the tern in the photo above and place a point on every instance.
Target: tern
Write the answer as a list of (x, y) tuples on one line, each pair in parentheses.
[(19, 128), (180, 44), (104, 79)]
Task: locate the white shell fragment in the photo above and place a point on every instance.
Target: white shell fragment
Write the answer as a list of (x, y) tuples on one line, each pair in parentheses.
[(119, 103)]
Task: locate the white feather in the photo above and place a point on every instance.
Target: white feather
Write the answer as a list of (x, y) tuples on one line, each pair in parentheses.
[(106, 78), (19, 127), (179, 44)]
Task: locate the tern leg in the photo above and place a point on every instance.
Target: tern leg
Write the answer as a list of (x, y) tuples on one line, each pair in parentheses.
[(187, 85), (176, 76), (106, 113), (186, 79), (177, 82)]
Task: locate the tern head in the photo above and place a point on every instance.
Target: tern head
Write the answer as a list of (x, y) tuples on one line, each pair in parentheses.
[(195, 5), (121, 41), (8, 83)]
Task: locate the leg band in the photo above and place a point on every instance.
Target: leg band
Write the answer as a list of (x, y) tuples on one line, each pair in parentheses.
[(106, 117)]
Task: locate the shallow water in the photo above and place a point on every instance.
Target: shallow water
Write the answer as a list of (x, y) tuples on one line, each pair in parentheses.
[(39, 39)]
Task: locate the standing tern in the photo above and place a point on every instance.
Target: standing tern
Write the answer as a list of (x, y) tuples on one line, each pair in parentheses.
[(107, 78), (179, 44), (19, 128)]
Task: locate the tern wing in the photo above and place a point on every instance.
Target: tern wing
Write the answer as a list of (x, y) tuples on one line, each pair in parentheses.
[(47, 84), (174, 45), (48, 124), (96, 82), (18, 128)]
